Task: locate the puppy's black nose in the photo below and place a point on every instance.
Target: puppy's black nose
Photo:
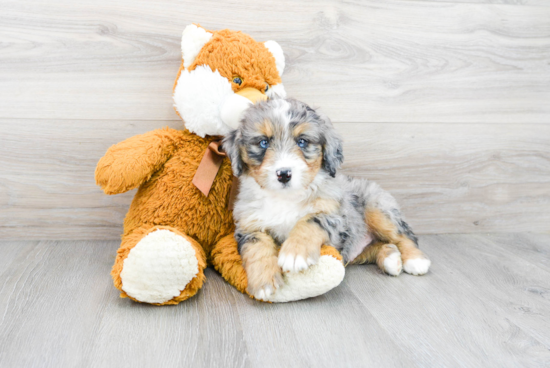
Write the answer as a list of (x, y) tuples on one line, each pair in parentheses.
[(284, 175)]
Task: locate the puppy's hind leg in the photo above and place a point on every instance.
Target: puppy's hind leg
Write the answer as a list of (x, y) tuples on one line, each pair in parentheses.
[(415, 262), (386, 256)]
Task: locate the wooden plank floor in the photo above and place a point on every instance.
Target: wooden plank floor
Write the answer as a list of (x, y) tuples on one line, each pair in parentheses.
[(485, 303)]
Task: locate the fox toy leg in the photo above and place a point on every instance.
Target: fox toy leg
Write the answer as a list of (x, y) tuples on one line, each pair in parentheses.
[(159, 265)]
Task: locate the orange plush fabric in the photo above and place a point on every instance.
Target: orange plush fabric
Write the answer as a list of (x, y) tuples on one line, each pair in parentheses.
[(237, 54), (162, 163), (234, 54)]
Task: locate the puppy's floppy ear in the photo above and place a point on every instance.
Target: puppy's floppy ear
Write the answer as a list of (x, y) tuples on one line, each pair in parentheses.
[(333, 155), (231, 145)]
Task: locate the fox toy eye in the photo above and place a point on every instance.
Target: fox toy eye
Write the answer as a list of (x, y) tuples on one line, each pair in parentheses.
[(238, 80), (264, 143), (266, 87), (302, 143)]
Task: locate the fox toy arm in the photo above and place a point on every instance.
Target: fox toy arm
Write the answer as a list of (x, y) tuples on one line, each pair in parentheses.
[(128, 164)]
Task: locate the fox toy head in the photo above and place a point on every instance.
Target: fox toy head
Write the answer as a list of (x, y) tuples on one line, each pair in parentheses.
[(221, 75)]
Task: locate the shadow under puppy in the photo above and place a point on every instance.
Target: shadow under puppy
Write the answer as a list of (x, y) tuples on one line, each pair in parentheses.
[(292, 200)]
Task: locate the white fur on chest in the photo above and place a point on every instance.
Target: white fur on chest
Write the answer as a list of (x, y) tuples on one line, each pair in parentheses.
[(270, 211)]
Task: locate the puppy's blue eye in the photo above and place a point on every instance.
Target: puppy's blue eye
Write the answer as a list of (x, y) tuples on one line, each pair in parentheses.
[(238, 80), (264, 143), (302, 143)]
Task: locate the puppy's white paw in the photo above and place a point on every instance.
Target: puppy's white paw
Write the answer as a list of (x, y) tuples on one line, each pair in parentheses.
[(297, 254), (393, 264), (300, 264), (294, 263), (417, 266), (264, 293)]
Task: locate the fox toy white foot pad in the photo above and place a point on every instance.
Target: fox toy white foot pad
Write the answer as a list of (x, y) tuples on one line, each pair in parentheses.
[(159, 267)]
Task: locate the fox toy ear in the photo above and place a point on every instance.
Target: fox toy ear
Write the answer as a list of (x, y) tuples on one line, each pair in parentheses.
[(278, 54), (193, 40)]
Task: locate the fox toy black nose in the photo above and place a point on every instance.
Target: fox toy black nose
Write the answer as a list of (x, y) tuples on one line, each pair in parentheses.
[(284, 175)]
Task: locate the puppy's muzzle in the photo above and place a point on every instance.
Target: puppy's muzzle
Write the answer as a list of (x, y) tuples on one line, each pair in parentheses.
[(284, 175)]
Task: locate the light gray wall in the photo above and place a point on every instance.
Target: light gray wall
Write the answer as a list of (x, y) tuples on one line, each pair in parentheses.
[(446, 104)]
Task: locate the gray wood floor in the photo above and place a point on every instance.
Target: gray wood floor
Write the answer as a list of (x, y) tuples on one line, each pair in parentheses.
[(485, 303)]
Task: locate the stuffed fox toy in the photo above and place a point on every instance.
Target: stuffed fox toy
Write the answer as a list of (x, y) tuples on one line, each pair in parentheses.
[(179, 221)]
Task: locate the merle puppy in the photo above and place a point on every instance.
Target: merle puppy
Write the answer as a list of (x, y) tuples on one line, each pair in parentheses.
[(292, 200)]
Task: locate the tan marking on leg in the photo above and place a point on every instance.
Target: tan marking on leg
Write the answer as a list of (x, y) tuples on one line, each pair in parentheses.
[(260, 262), (385, 255), (369, 254), (250, 226), (384, 230), (303, 245), (414, 261), (381, 226), (408, 249)]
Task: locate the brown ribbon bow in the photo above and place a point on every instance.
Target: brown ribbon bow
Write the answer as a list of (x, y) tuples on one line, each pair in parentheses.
[(208, 169)]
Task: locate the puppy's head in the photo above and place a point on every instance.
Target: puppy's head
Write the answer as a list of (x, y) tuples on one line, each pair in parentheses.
[(284, 145)]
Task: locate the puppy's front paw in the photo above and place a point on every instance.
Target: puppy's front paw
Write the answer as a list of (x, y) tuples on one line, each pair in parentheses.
[(296, 256), (264, 278)]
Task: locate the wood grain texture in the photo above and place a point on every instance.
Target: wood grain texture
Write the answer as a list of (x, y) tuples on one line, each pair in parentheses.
[(443, 103), (447, 178), (534, 248), (475, 289), (502, 2), (482, 304), (363, 61)]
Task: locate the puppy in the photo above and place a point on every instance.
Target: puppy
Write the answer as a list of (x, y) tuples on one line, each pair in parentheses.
[(292, 200)]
